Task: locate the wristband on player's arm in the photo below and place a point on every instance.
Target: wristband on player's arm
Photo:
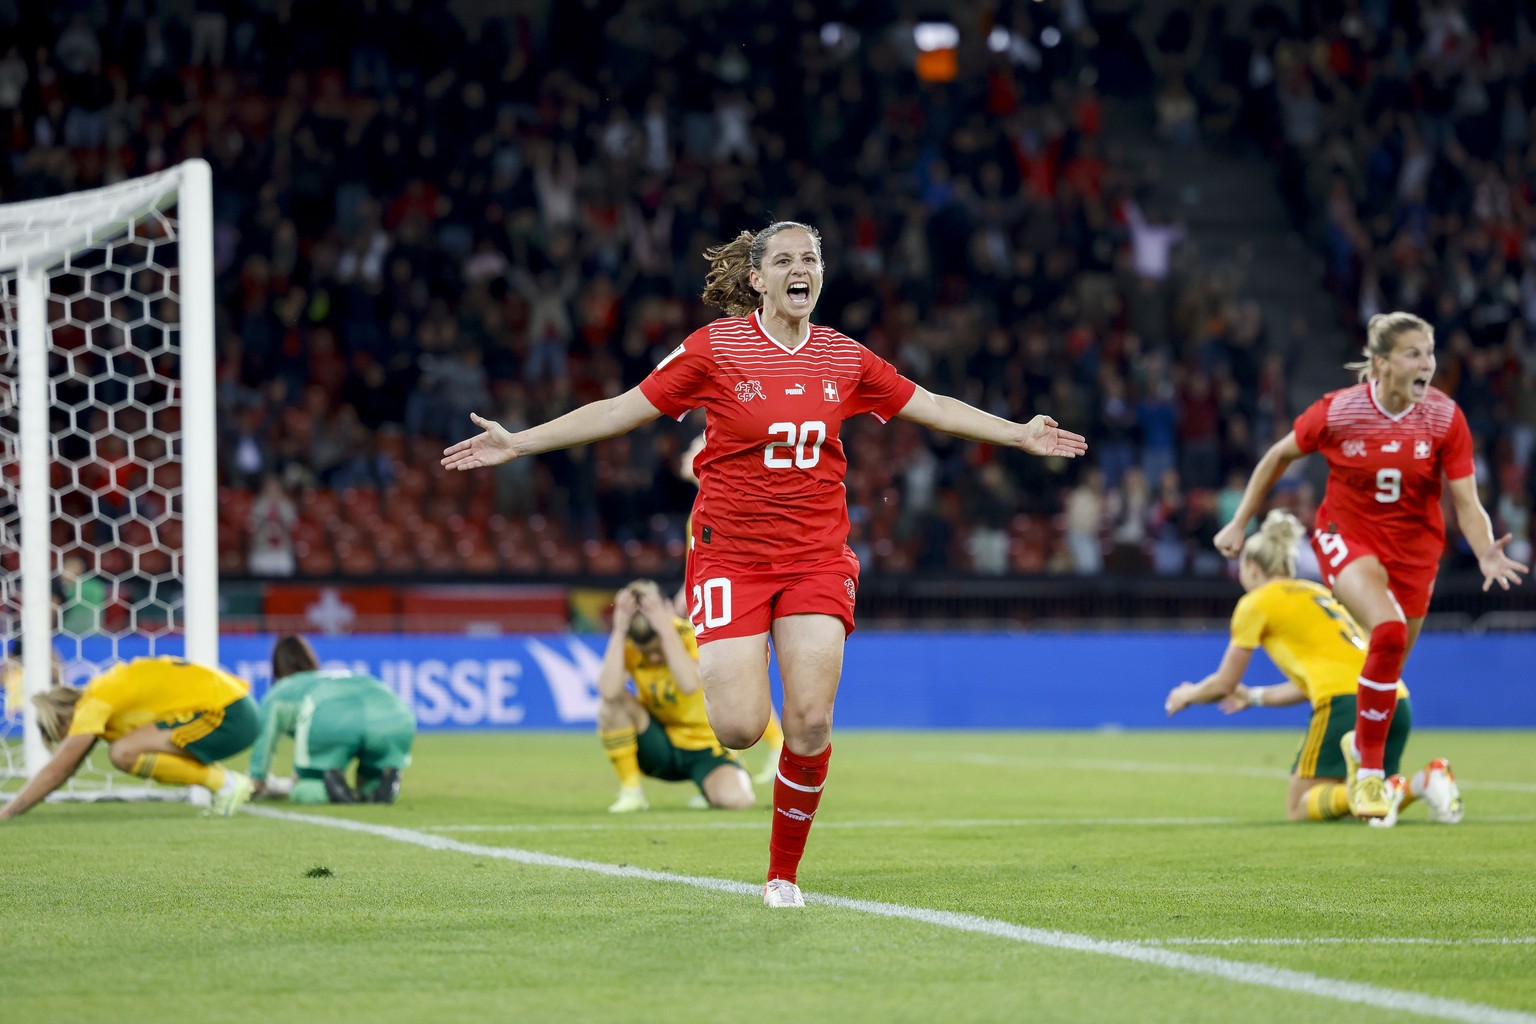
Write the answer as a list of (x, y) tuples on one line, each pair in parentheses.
[(1256, 697)]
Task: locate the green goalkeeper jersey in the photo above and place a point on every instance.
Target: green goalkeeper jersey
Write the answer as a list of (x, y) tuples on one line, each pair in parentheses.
[(365, 705)]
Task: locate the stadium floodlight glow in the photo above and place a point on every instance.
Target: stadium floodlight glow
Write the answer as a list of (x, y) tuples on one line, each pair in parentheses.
[(1050, 37), (833, 33), (930, 36), (998, 40), (107, 411)]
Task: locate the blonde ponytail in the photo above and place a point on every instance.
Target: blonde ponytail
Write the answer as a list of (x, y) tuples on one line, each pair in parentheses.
[(1273, 548), (55, 711), (1381, 334)]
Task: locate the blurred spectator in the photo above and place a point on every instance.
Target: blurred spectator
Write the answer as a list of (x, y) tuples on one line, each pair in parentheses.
[(273, 517), (81, 598)]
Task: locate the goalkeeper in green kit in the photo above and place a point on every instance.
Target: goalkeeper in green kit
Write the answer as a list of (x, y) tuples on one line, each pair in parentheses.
[(334, 717)]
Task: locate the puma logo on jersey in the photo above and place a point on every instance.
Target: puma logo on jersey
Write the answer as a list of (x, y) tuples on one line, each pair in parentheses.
[(750, 389), (798, 389), (1353, 448), (1421, 449), (1392, 446)]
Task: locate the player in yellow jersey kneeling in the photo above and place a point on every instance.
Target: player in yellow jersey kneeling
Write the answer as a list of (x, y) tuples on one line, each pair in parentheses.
[(165, 719), (1312, 639), (659, 728)]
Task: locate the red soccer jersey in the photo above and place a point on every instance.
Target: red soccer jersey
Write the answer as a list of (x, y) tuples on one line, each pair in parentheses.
[(771, 472), (1384, 471)]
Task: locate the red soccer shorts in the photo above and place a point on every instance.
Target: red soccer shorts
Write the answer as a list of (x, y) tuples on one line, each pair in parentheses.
[(1412, 585), (727, 598)]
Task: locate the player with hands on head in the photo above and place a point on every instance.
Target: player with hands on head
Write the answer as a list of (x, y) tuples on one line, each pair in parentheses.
[(769, 559), (1379, 532), (660, 728), (1312, 639), (164, 719)]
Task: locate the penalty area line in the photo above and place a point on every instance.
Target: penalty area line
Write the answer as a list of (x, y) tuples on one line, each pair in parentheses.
[(1384, 940), (1283, 979)]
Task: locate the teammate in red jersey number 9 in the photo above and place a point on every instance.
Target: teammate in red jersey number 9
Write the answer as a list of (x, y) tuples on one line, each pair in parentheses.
[(768, 557), (1379, 533)]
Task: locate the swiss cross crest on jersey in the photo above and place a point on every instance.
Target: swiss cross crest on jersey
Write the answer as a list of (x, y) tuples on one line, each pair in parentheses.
[(1353, 448), (750, 389), (1421, 449), (829, 390)]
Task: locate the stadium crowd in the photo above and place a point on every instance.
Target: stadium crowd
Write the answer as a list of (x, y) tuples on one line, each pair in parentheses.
[(417, 217), (1405, 145)]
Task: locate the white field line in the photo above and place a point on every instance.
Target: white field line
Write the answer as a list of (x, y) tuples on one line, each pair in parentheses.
[(761, 825), (1168, 768), (1262, 975), (1385, 940), (715, 824)]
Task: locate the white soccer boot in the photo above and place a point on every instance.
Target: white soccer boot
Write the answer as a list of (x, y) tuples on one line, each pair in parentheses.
[(779, 893)]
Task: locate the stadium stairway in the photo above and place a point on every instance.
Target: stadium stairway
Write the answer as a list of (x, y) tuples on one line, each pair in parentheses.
[(1232, 207)]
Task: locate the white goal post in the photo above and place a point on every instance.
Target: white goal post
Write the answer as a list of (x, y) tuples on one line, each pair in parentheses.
[(108, 436)]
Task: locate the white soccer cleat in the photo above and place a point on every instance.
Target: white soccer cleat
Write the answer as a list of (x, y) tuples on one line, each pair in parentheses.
[(779, 893), (698, 802), (232, 796), (631, 799), (770, 769), (1397, 791), (1442, 797)]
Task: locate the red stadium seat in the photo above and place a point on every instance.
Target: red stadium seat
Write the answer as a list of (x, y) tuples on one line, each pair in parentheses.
[(604, 558)]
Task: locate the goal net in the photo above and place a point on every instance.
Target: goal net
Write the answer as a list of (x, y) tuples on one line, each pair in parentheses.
[(108, 545)]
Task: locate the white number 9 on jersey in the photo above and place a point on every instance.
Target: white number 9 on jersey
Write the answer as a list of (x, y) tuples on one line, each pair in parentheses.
[(804, 438), (1389, 485)]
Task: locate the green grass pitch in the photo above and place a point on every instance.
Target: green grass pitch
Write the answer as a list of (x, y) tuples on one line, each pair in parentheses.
[(1026, 877)]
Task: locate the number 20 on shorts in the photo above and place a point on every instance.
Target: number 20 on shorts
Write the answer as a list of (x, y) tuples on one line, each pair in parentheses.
[(712, 601)]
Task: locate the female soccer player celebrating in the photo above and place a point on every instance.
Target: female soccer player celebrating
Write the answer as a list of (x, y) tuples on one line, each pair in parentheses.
[(768, 553), (1311, 638), (165, 719), (1379, 533)]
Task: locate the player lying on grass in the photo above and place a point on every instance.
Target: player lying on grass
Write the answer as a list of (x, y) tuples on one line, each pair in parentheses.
[(165, 719), (1312, 639), (659, 728), (334, 718)]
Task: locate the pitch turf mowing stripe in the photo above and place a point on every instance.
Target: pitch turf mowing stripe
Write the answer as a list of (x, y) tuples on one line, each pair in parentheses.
[(715, 825), (1170, 768), (1243, 973), (1392, 940)]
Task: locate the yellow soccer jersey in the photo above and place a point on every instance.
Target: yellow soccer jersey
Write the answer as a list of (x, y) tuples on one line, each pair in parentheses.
[(147, 690), (1307, 634), (681, 714)]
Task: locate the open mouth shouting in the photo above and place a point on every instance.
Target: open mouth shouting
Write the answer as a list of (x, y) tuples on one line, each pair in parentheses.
[(1419, 387), (799, 295)]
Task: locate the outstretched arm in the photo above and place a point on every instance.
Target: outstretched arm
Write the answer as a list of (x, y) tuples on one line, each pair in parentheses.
[(1040, 436), (1229, 541), (1496, 566), (63, 764), (608, 417), (1227, 677), (1278, 696)]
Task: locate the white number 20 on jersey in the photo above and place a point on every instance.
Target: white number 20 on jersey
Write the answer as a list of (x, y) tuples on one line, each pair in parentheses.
[(804, 439), (1389, 485)]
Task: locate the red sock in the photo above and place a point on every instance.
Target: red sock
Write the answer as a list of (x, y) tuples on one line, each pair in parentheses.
[(1376, 698), (796, 792)]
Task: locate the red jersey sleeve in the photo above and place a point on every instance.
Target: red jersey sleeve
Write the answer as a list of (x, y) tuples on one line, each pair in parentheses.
[(1312, 426), (882, 390), (676, 386), (1456, 451)]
